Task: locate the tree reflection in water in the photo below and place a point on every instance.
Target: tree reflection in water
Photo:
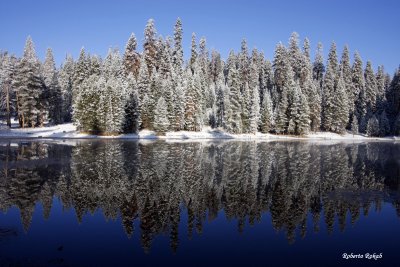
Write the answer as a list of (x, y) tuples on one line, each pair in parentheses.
[(155, 182)]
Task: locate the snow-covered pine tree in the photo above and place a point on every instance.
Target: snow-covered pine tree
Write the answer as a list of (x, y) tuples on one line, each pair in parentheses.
[(149, 46), (373, 126), (282, 113), (218, 82), (393, 100), (328, 90), (269, 82), (94, 65), (318, 66), (341, 110), (370, 88), (303, 120), (345, 69), (66, 76), (305, 66), (154, 93), (131, 120), (86, 105), (199, 99), (161, 121), (234, 119), (143, 87), (384, 125), (358, 89), (311, 92), (381, 101), (131, 57), (267, 114), (53, 89), (178, 99), (193, 53), (178, 50), (243, 64), (81, 72), (111, 107), (113, 65), (165, 59), (254, 102), (29, 88), (294, 104), (280, 66), (190, 104), (295, 55), (49, 68), (7, 94)]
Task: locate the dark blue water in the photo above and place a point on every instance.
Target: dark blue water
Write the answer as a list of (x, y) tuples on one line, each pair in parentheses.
[(126, 203)]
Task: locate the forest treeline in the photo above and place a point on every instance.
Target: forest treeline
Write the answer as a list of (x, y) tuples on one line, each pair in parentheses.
[(156, 89)]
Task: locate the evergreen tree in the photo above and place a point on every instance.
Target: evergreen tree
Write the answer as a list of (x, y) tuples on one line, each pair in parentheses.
[(384, 126), (86, 105), (358, 89), (318, 67), (341, 111), (314, 103), (113, 65), (370, 88), (29, 89), (295, 56), (303, 120), (66, 76), (178, 50), (345, 69), (266, 114), (280, 66), (254, 102), (190, 104), (328, 90), (381, 101), (7, 94), (193, 55), (131, 57), (161, 122), (81, 72), (373, 127), (149, 45), (53, 89), (111, 107), (143, 87), (234, 120), (131, 120)]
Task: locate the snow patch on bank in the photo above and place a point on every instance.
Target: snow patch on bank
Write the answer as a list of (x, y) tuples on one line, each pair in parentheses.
[(68, 131)]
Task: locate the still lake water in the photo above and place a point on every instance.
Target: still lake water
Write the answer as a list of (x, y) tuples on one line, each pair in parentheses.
[(129, 203)]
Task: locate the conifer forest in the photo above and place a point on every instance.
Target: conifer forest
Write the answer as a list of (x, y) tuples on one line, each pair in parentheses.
[(162, 90)]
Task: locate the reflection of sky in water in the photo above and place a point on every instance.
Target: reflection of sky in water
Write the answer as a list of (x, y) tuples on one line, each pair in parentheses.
[(61, 240)]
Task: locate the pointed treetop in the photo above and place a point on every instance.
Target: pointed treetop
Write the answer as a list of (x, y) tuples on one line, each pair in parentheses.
[(132, 43), (29, 50)]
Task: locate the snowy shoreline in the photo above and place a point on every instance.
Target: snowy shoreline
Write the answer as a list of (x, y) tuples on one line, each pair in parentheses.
[(68, 131)]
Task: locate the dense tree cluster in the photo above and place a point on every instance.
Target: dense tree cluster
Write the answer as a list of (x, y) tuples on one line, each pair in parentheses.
[(155, 89), (154, 183)]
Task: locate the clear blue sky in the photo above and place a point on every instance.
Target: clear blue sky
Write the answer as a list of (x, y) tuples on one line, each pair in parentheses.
[(371, 27)]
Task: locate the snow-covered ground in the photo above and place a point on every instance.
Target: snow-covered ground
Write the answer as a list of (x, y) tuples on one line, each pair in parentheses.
[(68, 130)]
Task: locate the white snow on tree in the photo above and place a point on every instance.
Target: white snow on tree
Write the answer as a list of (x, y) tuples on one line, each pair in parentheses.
[(373, 127), (245, 93), (161, 122)]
